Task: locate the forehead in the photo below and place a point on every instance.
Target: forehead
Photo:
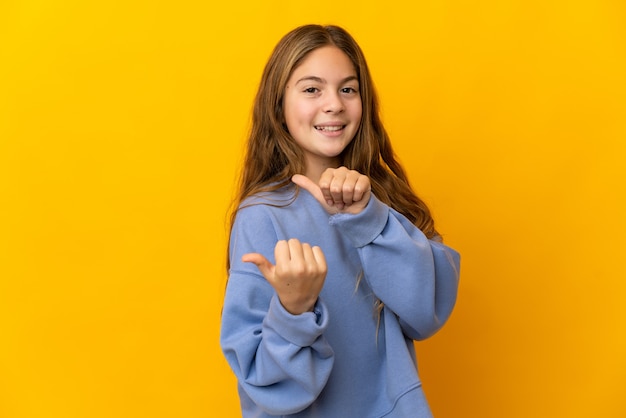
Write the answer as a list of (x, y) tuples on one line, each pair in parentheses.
[(325, 62)]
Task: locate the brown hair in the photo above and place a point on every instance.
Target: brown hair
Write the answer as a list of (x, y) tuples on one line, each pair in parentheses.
[(272, 156)]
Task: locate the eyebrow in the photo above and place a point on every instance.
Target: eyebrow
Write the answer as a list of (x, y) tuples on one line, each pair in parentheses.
[(322, 81)]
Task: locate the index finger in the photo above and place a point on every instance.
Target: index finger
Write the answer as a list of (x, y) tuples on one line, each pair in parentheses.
[(281, 252)]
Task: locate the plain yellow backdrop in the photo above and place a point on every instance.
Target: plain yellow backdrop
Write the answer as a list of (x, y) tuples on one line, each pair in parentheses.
[(121, 130)]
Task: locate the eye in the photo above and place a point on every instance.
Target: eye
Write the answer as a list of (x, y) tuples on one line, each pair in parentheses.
[(348, 90), (311, 90)]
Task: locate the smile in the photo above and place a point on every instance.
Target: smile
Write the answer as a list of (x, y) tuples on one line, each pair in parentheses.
[(333, 128)]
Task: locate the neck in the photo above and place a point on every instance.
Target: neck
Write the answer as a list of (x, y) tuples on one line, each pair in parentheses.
[(315, 169)]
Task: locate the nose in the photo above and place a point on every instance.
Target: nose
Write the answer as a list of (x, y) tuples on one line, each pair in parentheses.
[(333, 103)]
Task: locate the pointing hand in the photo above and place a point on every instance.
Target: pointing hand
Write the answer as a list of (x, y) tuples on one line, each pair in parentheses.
[(338, 190), (297, 277)]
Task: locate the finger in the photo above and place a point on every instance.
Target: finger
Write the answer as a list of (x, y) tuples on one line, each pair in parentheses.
[(307, 253), (362, 188), (308, 185), (296, 252), (319, 257), (337, 187), (349, 186), (281, 253), (309, 258), (324, 185), (263, 264)]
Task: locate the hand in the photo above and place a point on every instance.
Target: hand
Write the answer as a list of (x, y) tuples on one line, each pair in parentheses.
[(338, 190), (298, 275)]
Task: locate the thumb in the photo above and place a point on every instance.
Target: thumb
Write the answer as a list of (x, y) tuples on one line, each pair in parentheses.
[(308, 185), (265, 267)]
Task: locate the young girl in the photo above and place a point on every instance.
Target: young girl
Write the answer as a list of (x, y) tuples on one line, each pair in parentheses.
[(335, 266)]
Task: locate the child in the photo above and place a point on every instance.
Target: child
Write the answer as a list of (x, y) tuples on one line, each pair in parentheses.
[(335, 266)]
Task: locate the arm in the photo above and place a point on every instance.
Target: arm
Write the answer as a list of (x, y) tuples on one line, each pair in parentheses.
[(281, 360), (414, 277)]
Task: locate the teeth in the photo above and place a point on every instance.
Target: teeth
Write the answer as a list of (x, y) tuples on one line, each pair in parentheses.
[(329, 128)]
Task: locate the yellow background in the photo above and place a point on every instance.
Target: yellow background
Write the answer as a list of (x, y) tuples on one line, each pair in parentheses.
[(121, 130)]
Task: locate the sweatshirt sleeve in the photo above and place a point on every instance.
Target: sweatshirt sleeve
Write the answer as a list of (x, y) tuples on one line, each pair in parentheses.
[(282, 361), (413, 276)]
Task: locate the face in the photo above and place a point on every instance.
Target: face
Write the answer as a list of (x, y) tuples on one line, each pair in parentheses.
[(322, 106)]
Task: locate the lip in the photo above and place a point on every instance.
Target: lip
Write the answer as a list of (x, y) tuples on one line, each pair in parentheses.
[(333, 123), (334, 133), (336, 127)]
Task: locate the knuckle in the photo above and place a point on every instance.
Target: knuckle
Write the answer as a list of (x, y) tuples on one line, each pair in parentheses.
[(299, 269)]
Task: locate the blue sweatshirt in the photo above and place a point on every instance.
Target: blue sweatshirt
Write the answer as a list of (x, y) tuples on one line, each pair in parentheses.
[(344, 359)]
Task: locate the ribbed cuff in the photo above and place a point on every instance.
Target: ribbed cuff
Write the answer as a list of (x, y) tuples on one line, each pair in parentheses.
[(363, 227), (301, 330)]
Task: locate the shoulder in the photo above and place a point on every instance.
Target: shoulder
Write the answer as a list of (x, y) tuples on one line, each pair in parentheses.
[(261, 210), (258, 223), (279, 197)]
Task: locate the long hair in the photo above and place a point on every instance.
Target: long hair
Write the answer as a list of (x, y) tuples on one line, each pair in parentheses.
[(272, 156)]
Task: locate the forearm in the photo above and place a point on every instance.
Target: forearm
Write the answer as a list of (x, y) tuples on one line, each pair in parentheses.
[(282, 361), (414, 277)]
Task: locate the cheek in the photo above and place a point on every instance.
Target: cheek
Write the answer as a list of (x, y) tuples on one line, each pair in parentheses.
[(298, 112), (356, 107), (357, 111)]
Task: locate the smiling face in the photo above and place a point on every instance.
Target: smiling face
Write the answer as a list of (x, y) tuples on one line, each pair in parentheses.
[(322, 107)]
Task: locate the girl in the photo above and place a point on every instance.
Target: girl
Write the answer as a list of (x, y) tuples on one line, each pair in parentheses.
[(335, 266)]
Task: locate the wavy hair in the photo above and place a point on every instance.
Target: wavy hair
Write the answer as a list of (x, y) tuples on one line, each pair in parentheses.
[(272, 156)]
